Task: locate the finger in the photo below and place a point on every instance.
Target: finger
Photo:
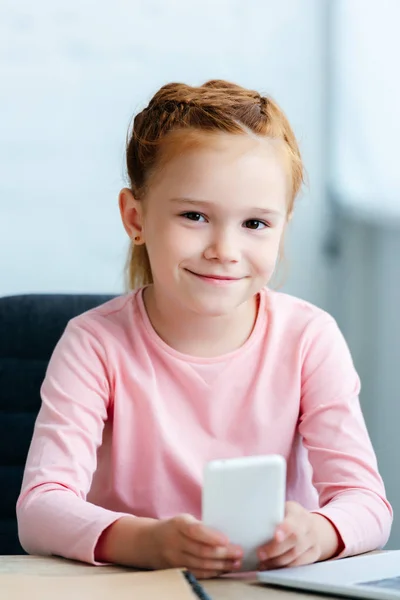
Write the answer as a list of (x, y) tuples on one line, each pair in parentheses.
[(296, 519), (288, 558), (209, 564), (201, 550), (273, 548), (293, 508), (291, 526), (195, 530), (307, 558)]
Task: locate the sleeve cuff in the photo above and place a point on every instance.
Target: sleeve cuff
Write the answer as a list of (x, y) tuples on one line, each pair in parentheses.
[(86, 544), (355, 532)]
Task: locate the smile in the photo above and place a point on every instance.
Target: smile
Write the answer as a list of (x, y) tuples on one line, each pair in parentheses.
[(215, 279)]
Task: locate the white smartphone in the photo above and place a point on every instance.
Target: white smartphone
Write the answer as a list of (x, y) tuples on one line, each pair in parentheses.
[(244, 498)]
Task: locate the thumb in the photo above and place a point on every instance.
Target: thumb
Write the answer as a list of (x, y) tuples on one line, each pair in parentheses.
[(187, 518), (185, 523)]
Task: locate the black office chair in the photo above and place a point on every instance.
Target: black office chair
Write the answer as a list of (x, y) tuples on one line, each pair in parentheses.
[(30, 326)]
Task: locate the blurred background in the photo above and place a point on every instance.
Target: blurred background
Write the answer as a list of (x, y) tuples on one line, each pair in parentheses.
[(72, 75)]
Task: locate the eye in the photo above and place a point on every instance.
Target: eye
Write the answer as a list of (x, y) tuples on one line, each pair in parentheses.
[(255, 224), (193, 216)]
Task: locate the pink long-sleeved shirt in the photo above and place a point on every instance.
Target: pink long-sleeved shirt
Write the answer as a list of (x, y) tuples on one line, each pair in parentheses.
[(127, 424)]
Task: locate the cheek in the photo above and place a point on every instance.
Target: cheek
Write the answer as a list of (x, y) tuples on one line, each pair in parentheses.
[(169, 242), (181, 242), (265, 254)]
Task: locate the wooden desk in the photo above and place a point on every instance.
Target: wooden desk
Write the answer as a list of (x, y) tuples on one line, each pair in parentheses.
[(225, 588)]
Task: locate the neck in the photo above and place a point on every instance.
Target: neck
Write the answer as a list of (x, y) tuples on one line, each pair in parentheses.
[(199, 335)]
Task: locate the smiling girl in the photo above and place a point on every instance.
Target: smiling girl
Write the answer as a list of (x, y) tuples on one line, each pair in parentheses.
[(201, 360)]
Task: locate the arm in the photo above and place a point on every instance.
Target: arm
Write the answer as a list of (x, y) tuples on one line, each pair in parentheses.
[(53, 514), (127, 542), (351, 491)]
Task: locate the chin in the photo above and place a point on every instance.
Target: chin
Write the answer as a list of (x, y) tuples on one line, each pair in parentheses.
[(215, 308)]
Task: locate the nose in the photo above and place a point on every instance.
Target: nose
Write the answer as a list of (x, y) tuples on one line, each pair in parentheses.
[(223, 247)]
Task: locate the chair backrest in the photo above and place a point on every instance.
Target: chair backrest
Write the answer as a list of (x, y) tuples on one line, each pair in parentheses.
[(30, 326)]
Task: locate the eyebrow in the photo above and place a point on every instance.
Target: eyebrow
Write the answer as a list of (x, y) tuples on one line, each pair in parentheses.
[(204, 203)]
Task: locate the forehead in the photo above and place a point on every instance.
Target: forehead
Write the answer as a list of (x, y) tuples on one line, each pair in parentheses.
[(234, 167)]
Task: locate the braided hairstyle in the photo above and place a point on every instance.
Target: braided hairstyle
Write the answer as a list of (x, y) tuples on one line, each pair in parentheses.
[(217, 106)]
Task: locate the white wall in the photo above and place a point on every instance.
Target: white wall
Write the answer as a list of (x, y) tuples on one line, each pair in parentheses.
[(365, 99), (73, 73), (365, 184)]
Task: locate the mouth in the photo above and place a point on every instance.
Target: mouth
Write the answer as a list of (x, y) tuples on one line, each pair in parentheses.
[(214, 278)]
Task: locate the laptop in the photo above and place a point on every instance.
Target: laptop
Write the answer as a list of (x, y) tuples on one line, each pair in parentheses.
[(375, 576)]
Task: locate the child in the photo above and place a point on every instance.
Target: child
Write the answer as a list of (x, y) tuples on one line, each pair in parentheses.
[(201, 361)]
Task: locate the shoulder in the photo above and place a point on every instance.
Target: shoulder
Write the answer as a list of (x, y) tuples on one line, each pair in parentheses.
[(109, 321), (299, 324), (295, 313), (311, 332)]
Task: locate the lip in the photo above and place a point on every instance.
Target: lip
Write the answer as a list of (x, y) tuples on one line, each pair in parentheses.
[(215, 278)]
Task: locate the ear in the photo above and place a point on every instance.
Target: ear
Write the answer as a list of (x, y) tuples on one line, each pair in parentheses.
[(131, 211)]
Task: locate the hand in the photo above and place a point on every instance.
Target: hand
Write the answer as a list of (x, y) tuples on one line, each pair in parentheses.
[(302, 538), (185, 542)]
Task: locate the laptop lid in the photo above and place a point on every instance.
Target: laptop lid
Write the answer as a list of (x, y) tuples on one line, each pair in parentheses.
[(374, 576)]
